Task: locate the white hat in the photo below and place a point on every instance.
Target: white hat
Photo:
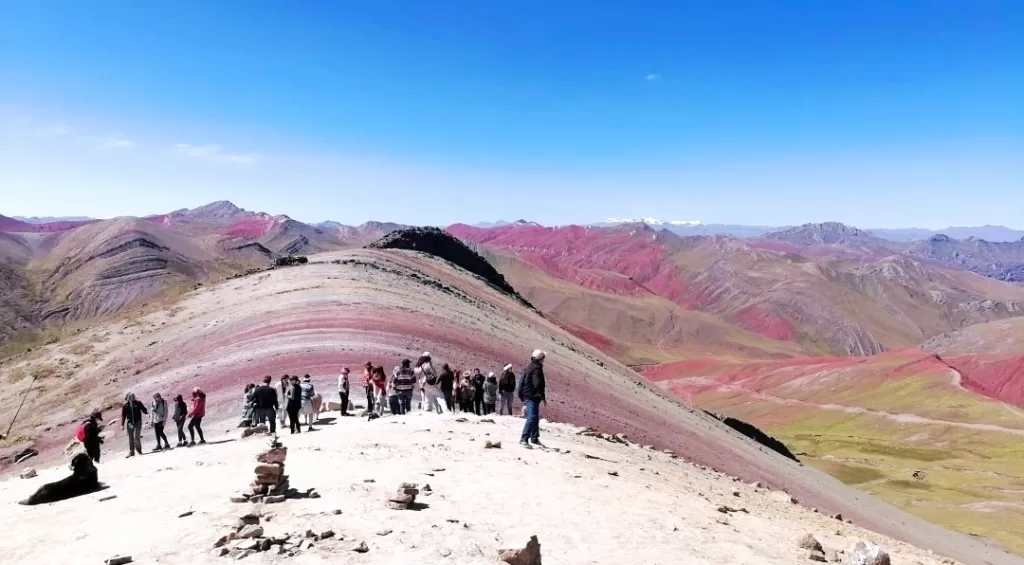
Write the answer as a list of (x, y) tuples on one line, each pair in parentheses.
[(425, 354), (537, 354), (491, 374), (507, 367)]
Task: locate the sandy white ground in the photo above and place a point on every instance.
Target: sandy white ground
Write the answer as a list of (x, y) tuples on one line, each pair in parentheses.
[(658, 510)]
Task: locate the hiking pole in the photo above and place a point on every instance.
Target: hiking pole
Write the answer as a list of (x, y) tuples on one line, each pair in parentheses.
[(23, 398)]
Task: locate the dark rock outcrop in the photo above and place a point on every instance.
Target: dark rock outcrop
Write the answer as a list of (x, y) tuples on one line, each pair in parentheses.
[(445, 246), (755, 434)]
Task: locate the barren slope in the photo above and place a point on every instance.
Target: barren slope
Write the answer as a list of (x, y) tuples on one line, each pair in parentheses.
[(384, 305)]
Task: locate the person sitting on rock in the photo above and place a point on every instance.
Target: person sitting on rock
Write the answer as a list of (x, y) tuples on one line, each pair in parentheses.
[(532, 393), (131, 416), (308, 391), (265, 405)]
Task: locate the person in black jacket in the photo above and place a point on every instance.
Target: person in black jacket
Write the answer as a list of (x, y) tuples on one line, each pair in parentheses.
[(506, 390), (264, 404), (446, 380), (131, 414), (92, 435), (294, 405), (478, 381), (180, 415), (531, 392)]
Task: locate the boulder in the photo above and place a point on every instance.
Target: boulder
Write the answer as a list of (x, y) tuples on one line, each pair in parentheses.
[(529, 555), (361, 547), (809, 543), (818, 556), (867, 553), (28, 473), (267, 479), (119, 560)]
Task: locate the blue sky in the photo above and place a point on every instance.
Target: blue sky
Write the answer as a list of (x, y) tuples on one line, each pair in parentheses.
[(879, 114)]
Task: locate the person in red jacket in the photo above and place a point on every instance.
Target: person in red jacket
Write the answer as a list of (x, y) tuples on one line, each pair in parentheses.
[(196, 415)]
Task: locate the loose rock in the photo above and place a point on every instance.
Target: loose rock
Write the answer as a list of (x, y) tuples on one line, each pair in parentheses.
[(251, 532), (492, 444), (809, 543), (119, 560), (361, 548), (529, 555), (867, 553), (817, 556), (28, 473)]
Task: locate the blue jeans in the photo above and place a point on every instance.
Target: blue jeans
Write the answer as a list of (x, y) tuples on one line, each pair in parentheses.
[(531, 429)]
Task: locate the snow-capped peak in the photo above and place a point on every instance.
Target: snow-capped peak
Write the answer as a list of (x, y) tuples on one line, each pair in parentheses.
[(652, 221)]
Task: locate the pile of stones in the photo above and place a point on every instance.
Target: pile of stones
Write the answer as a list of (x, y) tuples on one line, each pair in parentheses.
[(403, 497), (270, 484), (248, 538)]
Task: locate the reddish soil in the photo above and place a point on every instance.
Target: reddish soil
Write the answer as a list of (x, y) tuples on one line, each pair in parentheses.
[(1001, 379), (250, 227), (767, 323)]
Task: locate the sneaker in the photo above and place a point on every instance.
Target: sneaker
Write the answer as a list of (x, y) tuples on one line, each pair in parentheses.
[(526, 444), (130, 455), (202, 442), (191, 444), (536, 442), (158, 449)]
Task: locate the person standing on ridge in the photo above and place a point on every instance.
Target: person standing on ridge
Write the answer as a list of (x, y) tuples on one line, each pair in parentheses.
[(158, 417), (446, 382), (180, 414), (294, 396), (490, 393), (343, 389), (196, 414), (532, 393), (506, 390), (91, 435), (265, 405), (478, 392), (308, 391), (131, 414), (368, 386), (405, 381), (282, 395)]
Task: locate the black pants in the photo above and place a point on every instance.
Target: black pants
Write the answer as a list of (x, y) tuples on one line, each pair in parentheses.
[(195, 425), (448, 400), (181, 430), (158, 428), (344, 402), (369, 398), (293, 418), (406, 400), (478, 405), (488, 408), (266, 416), (92, 449)]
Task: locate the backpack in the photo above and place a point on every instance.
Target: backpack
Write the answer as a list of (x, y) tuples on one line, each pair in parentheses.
[(431, 376), (80, 432)]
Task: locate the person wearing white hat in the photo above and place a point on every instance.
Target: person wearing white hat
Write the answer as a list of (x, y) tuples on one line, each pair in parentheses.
[(532, 393), (506, 390)]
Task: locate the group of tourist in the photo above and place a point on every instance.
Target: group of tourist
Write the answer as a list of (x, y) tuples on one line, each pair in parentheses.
[(441, 391), (267, 404), (133, 414)]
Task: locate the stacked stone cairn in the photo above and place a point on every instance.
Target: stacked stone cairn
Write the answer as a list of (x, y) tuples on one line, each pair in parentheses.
[(270, 484), (403, 497)]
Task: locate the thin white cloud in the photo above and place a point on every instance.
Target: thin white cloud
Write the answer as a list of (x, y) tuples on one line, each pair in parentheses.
[(652, 76), (52, 130), (213, 153), (109, 141)]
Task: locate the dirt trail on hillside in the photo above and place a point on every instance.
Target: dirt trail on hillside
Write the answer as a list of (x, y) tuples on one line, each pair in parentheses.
[(589, 501), (957, 380)]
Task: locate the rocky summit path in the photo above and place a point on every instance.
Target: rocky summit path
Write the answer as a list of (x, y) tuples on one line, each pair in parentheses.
[(588, 499)]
